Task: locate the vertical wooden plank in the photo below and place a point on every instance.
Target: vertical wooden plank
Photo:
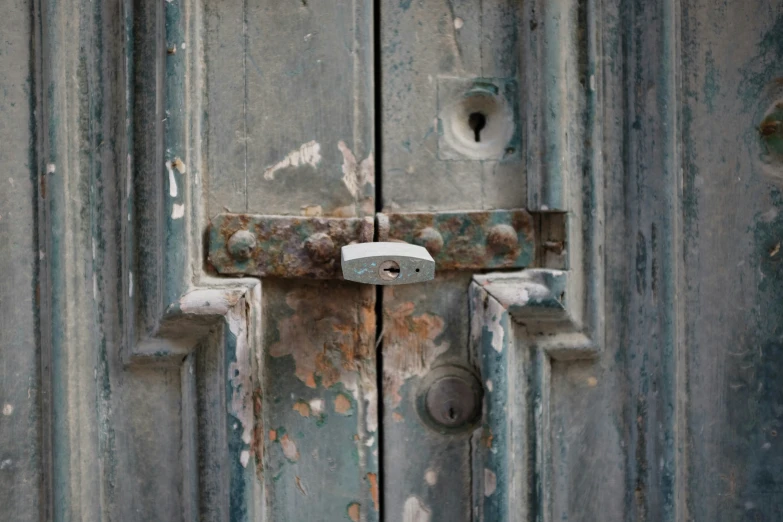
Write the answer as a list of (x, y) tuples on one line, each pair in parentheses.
[(731, 207), (225, 60), (419, 66), (290, 131), (320, 401), (20, 386), (423, 325), (309, 102), (290, 98), (432, 53)]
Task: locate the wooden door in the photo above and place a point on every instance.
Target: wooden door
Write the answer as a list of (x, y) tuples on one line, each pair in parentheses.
[(599, 183)]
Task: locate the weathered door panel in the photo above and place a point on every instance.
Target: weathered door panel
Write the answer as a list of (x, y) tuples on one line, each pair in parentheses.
[(626, 356), (288, 91)]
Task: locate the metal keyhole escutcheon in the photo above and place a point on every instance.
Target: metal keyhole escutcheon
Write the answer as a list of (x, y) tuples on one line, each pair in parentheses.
[(450, 399)]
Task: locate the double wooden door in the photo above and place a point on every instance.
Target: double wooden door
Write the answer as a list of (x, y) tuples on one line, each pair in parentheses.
[(598, 182)]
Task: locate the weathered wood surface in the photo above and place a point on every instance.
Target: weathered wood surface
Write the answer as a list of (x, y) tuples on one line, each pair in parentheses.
[(290, 131), (21, 455), (135, 386)]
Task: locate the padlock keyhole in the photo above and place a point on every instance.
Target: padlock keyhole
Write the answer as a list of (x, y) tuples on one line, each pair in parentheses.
[(389, 270), (477, 121)]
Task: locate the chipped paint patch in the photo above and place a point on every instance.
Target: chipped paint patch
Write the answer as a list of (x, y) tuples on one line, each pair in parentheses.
[(373, 479), (213, 301), (490, 482), (342, 404), (353, 511), (397, 417), (495, 312), (317, 406), (8, 409), (179, 165), (302, 408), (300, 486), (411, 346), (592, 382), (130, 284), (489, 385), (50, 168), (312, 211), (240, 370), (244, 458), (177, 211), (307, 154), (172, 180), (431, 477), (333, 343), (289, 448), (414, 510), (458, 23), (272, 435), (356, 174)]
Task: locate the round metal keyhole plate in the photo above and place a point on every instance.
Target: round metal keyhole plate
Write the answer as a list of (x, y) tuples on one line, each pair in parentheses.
[(451, 399), (389, 270)]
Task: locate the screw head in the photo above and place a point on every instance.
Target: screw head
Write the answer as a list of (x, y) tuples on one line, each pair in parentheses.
[(320, 247), (430, 239), (502, 238), (241, 245), (453, 398)]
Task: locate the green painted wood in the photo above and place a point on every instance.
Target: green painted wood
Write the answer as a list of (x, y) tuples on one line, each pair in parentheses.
[(730, 357), (134, 384)]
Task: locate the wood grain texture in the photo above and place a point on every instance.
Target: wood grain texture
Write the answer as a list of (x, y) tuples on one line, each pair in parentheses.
[(731, 226), (290, 98), (424, 45), (21, 456)]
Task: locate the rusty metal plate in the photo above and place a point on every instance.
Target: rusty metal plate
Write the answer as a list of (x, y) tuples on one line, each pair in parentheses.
[(466, 240), (283, 246)]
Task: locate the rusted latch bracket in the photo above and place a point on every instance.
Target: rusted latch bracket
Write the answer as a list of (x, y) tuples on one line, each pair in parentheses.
[(309, 247)]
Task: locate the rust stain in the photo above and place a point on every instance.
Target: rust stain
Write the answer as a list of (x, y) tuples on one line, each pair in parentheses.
[(332, 340), (486, 438), (272, 435), (353, 511), (302, 408), (373, 478), (342, 404), (327, 337), (410, 346), (397, 417), (289, 449)]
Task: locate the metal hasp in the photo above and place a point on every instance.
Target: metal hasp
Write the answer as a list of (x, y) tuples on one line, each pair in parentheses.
[(477, 240), (283, 246), (387, 263)]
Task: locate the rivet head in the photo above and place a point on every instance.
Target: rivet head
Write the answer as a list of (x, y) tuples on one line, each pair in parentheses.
[(241, 245), (452, 399), (320, 247), (502, 238), (430, 239)]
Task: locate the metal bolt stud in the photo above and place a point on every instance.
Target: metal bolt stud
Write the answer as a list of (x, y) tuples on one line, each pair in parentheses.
[(502, 238), (320, 247), (452, 399), (430, 239), (241, 245)]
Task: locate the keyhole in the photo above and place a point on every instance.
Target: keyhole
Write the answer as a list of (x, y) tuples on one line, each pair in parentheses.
[(477, 121), (452, 414), (389, 270)]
